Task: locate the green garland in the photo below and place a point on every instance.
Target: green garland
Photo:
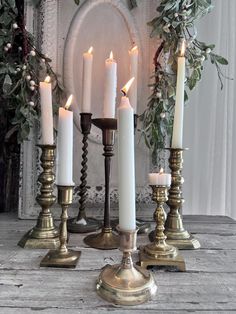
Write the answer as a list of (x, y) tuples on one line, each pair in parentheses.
[(176, 20)]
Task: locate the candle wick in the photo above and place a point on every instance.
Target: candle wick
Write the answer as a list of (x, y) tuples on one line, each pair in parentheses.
[(124, 93)]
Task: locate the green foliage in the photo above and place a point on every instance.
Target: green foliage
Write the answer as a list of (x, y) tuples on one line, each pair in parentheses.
[(22, 67), (175, 21)]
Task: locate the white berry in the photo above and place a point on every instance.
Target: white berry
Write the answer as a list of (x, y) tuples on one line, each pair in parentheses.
[(9, 45), (31, 103), (208, 50), (14, 25), (18, 69), (5, 48), (32, 83), (176, 14), (28, 77), (203, 58), (43, 60), (24, 67), (162, 115), (32, 88), (20, 48), (158, 94), (32, 53)]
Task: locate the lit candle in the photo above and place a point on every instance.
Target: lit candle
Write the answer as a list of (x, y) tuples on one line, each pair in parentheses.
[(45, 89), (87, 80), (133, 73), (177, 138), (110, 87), (65, 146), (126, 182), (160, 178)]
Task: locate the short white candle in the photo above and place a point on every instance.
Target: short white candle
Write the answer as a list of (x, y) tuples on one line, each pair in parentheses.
[(134, 73), (177, 137), (45, 89), (65, 146), (110, 87), (126, 181), (87, 80), (161, 178)]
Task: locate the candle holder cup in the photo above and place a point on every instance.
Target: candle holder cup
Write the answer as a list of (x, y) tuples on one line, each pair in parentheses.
[(159, 253), (82, 223), (106, 239), (126, 283), (44, 235), (62, 257)]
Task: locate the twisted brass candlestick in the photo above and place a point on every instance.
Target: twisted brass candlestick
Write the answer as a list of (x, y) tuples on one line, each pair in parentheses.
[(62, 257), (174, 229), (158, 252), (82, 223), (44, 235), (106, 239), (126, 283)]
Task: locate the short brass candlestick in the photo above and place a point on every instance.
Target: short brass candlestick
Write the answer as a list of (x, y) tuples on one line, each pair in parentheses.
[(126, 283), (62, 257), (44, 235), (106, 239), (82, 223), (174, 229), (158, 252)]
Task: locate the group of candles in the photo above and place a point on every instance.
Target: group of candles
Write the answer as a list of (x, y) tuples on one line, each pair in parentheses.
[(125, 118)]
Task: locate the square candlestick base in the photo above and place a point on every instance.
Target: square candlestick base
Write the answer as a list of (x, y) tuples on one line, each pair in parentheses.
[(30, 242), (190, 243), (146, 260), (55, 258)]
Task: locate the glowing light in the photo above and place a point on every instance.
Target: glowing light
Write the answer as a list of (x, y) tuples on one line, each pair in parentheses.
[(182, 49), (134, 48), (69, 101), (90, 50), (126, 88), (47, 79), (161, 171), (111, 55)]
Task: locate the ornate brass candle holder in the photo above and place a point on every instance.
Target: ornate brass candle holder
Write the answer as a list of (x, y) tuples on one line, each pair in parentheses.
[(126, 283), (106, 239), (44, 235), (158, 252), (174, 229), (82, 223), (62, 257)]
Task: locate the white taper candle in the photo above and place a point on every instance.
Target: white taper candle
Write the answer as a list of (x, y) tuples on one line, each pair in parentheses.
[(87, 80)]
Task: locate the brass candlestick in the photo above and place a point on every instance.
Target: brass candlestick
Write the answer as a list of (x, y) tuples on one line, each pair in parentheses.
[(62, 257), (106, 239), (44, 235), (174, 229), (126, 283), (82, 223), (158, 252)]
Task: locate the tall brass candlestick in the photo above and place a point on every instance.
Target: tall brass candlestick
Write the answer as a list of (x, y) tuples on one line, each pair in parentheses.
[(82, 223), (62, 257), (126, 283), (106, 239), (174, 229), (159, 252), (44, 235)]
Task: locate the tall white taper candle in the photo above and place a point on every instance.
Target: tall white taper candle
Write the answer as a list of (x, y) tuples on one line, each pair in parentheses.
[(126, 182), (45, 89), (134, 73), (87, 80)]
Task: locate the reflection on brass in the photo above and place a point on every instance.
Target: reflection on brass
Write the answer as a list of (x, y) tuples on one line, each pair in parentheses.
[(142, 226), (62, 257), (105, 240), (44, 235), (126, 283), (158, 252), (174, 229)]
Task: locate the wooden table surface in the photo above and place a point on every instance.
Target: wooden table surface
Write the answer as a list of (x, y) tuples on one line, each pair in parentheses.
[(208, 285)]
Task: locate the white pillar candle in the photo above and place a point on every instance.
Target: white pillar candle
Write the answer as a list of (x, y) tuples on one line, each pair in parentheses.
[(45, 89), (160, 178), (177, 137), (126, 182), (134, 73), (110, 87), (87, 80), (65, 146)]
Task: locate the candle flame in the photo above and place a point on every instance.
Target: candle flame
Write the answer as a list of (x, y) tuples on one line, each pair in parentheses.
[(134, 48), (126, 88), (47, 79), (111, 55), (161, 171), (182, 49), (90, 50), (68, 103)]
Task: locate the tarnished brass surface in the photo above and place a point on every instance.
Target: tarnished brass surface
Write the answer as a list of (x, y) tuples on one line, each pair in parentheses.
[(105, 240), (143, 226), (44, 234), (125, 283), (62, 257), (88, 224), (174, 229)]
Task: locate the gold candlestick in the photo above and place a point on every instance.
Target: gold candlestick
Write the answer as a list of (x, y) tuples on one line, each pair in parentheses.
[(174, 229), (62, 257), (44, 235), (158, 252), (126, 283)]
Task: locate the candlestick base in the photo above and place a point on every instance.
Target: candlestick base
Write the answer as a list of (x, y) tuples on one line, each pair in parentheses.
[(87, 225), (36, 239), (105, 240), (57, 259)]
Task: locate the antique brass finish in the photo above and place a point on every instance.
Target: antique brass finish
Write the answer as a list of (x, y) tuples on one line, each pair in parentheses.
[(174, 229), (158, 252), (44, 235), (126, 283), (62, 257), (106, 239)]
